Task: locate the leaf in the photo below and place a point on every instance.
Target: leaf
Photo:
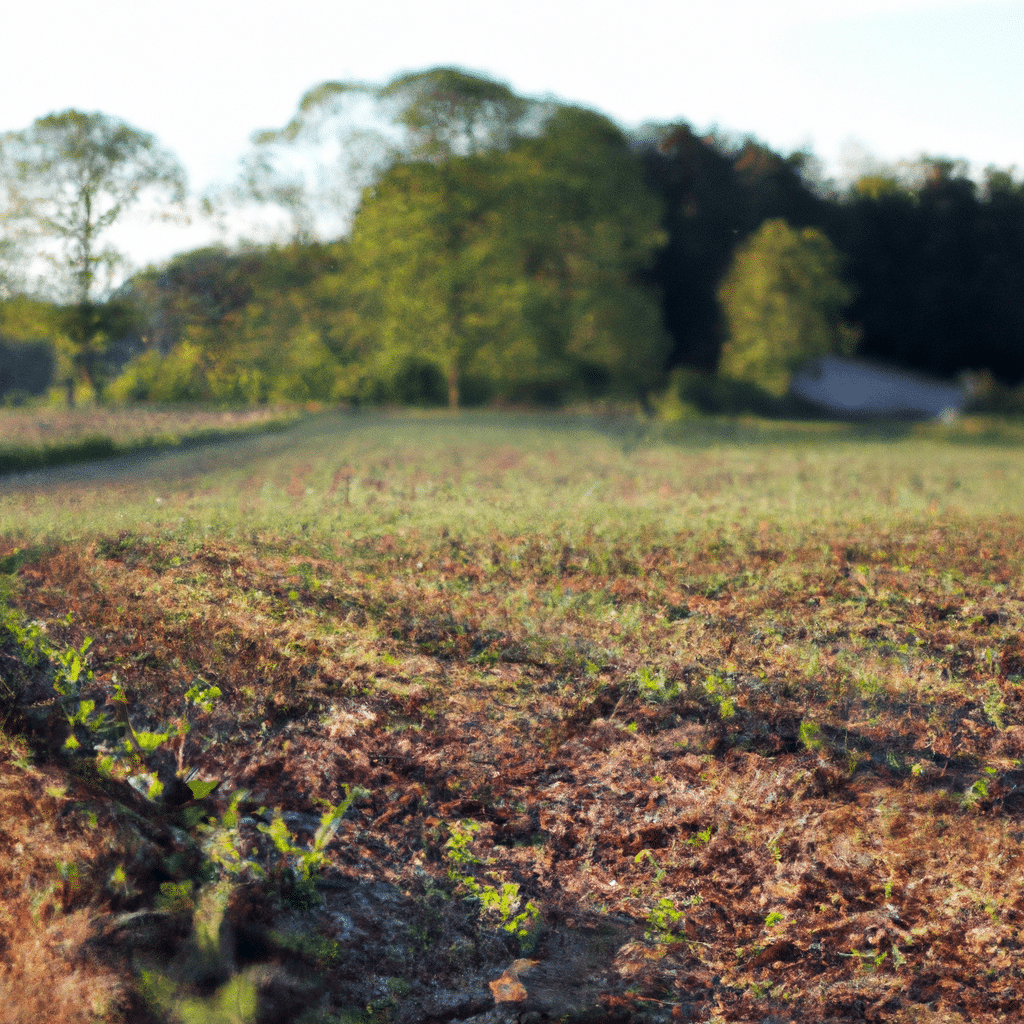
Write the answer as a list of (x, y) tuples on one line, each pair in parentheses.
[(201, 788), (508, 988), (149, 741)]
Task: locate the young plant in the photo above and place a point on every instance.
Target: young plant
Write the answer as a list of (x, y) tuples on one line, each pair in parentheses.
[(659, 872), (503, 901), (653, 686), (810, 735), (302, 861), (720, 689), (664, 922)]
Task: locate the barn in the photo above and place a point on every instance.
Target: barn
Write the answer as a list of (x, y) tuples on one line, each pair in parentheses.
[(858, 389)]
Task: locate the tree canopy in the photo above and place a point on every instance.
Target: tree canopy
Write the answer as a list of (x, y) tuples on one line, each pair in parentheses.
[(520, 267), (68, 178), (784, 300)]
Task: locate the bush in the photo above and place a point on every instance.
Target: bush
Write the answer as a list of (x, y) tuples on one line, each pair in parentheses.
[(692, 393), (990, 396), (151, 377)]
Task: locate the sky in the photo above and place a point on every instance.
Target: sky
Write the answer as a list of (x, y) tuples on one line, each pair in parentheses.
[(850, 80)]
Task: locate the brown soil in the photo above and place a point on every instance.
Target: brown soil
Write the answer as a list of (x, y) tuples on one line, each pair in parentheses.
[(778, 781)]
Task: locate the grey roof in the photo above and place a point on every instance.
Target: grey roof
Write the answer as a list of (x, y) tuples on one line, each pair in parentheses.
[(854, 387)]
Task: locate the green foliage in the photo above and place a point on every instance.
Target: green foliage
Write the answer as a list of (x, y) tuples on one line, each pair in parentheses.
[(664, 922), (653, 686), (246, 327), (448, 112), (70, 177), (503, 901), (659, 873), (783, 299), (516, 267), (457, 847), (810, 735), (305, 862), (497, 254), (175, 377), (719, 689), (234, 1002)]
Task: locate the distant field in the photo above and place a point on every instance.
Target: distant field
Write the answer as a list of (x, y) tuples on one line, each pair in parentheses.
[(371, 472), (33, 438), (721, 724)]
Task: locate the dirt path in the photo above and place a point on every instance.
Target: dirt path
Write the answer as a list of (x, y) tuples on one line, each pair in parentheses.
[(189, 459)]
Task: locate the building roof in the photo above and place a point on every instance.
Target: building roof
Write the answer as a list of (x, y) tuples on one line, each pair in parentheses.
[(857, 388)]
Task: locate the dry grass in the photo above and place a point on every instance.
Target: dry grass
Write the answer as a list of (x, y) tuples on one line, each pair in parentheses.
[(124, 426)]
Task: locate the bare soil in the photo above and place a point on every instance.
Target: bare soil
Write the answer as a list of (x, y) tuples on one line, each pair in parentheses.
[(775, 779)]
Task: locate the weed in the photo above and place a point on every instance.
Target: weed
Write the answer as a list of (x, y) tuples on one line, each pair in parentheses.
[(810, 735), (868, 961), (659, 873), (701, 838), (664, 922), (720, 690), (302, 862), (503, 901), (773, 847), (653, 686)]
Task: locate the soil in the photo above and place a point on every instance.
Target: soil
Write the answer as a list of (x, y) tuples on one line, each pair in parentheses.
[(773, 781)]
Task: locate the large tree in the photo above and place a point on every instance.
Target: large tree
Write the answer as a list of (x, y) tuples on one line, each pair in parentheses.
[(345, 135), (69, 177), (518, 266), (497, 237), (784, 300)]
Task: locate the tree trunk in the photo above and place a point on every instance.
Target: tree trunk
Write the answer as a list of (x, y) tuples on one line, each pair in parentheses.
[(453, 386)]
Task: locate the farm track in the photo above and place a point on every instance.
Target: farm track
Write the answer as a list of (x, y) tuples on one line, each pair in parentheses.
[(166, 461)]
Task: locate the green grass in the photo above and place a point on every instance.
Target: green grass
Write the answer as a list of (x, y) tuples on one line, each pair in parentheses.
[(578, 476)]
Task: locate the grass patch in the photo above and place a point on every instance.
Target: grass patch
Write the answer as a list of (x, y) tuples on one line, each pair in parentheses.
[(37, 439)]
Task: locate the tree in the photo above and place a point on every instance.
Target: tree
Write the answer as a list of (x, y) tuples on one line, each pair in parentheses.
[(715, 191), (783, 299), (448, 112), (516, 266), (591, 232), (69, 178), (498, 239), (937, 264), (434, 124)]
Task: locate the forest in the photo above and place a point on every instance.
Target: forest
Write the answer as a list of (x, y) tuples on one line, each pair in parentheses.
[(442, 240)]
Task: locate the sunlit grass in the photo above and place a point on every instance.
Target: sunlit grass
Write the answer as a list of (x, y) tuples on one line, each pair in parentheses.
[(352, 475)]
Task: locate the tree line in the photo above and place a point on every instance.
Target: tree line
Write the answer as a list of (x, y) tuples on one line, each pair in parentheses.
[(500, 249)]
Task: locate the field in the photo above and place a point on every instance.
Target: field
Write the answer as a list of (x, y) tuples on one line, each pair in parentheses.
[(411, 718), (31, 439)]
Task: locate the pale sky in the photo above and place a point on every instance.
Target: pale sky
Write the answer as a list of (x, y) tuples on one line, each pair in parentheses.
[(887, 78)]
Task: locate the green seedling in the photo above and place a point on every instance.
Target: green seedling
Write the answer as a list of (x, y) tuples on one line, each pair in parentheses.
[(501, 901), (720, 689), (810, 735), (659, 873), (665, 922), (701, 838), (304, 861)]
